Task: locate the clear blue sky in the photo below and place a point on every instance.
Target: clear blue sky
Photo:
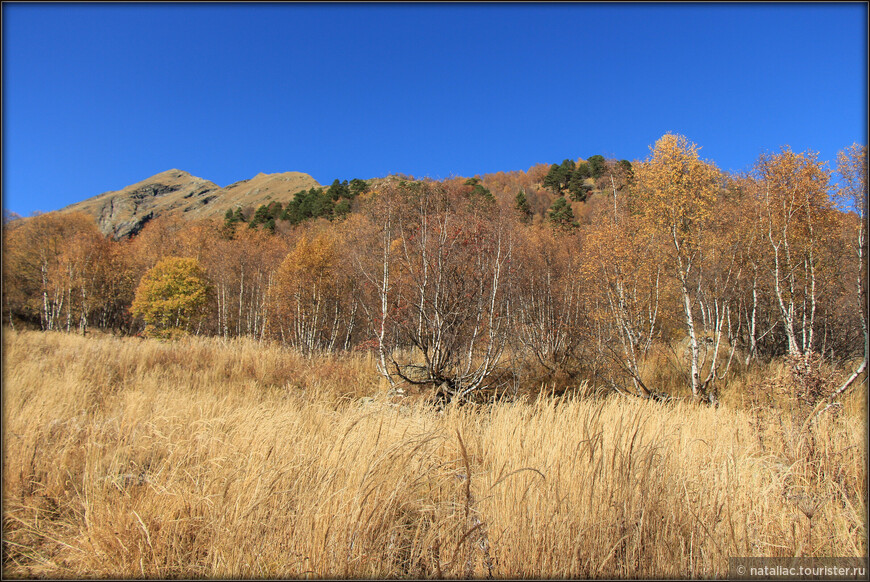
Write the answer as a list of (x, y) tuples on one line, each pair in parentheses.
[(97, 97)]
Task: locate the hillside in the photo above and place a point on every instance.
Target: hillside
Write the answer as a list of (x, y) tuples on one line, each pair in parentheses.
[(124, 212)]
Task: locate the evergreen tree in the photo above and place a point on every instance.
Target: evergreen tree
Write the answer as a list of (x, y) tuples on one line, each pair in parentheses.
[(321, 205), (597, 166), (229, 217), (478, 192), (260, 216), (357, 187), (342, 209), (522, 206), (229, 230), (553, 179), (232, 217), (338, 190), (313, 204), (275, 210), (559, 176), (578, 189), (561, 215), (293, 210)]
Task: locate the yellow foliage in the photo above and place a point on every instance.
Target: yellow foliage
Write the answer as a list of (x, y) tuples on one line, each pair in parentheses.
[(307, 290), (171, 295), (794, 190), (677, 189), (309, 261)]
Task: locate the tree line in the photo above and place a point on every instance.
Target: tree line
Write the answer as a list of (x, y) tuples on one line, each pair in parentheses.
[(580, 270), (333, 203)]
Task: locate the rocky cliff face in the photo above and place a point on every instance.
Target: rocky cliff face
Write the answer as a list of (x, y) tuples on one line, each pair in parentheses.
[(123, 213)]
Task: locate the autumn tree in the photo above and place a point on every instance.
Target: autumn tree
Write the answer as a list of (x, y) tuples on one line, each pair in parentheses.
[(310, 294), (547, 298), (438, 285), (793, 189), (852, 196), (114, 280), (453, 257), (622, 259), (373, 253), (242, 271), (677, 191), (172, 297), (161, 237), (741, 216), (51, 267)]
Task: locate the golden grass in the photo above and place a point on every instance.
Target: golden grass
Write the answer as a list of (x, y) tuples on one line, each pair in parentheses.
[(132, 458)]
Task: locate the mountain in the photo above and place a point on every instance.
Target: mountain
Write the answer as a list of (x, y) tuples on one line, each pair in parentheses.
[(122, 213)]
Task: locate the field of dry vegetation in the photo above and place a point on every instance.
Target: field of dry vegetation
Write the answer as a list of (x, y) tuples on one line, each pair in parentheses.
[(212, 458)]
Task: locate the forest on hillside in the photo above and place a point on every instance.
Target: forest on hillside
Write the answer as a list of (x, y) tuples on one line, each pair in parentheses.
[(605, 271)]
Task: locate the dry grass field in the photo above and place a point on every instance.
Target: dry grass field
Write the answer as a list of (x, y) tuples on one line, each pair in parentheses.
[(204, 458)]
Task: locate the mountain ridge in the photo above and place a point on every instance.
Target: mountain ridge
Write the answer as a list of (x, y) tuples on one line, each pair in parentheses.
[(123, 213)]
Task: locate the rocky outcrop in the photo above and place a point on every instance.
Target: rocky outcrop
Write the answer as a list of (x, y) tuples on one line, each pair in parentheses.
[(123, 213)]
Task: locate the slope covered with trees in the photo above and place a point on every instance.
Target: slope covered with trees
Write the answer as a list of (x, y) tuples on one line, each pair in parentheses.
[(604, 270)]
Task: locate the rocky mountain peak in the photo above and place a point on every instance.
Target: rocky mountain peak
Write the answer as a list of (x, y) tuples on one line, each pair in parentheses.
[(124, 212)]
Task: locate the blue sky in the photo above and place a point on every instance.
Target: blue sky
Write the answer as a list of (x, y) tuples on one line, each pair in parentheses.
[(97, 97)]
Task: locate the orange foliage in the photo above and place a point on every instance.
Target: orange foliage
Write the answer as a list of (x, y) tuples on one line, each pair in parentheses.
[(761, 264)]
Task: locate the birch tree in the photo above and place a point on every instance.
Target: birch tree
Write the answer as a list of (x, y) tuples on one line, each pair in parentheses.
[(50, 263), (547, 298), (622, 258), (793, 190), (437, 267), (309, 295), (677, 191), (852, 196)]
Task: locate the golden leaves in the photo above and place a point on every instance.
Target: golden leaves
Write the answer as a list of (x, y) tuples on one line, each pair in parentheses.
[(677, 189), (170, 294), (310, 262)]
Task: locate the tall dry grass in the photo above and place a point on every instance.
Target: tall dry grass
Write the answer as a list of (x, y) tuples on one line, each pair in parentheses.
[(130, 458)]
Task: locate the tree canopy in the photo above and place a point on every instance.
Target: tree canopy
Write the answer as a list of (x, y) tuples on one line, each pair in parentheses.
[(171, 296), (669, 251)]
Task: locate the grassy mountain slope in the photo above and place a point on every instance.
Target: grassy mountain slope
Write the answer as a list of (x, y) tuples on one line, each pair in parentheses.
[(124, 212)]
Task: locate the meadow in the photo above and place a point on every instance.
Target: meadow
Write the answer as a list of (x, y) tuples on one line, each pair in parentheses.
[(211, 458)]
